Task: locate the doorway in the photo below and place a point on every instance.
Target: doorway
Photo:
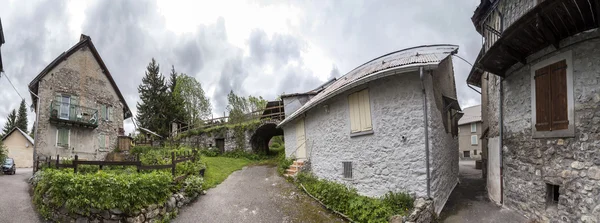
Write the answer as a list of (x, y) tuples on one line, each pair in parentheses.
[(220, 144)]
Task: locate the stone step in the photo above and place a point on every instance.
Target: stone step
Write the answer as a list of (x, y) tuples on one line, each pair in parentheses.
[(292, 172), (298, 162), (295, 167)]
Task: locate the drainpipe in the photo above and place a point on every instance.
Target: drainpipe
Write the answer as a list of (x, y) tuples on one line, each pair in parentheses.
[(425, 122), (35, 134), (501, 141)]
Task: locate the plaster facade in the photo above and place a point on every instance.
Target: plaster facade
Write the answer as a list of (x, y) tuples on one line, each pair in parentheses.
[(392, 157), (19, 148), (78, 75), (464, 141)]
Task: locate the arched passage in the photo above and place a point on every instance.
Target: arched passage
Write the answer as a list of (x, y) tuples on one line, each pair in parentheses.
[(261, 137)]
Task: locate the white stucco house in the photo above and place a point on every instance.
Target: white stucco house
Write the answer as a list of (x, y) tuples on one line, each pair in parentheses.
[(387, 125), (20, 147)]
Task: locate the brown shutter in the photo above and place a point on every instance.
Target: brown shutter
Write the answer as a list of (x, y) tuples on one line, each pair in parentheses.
[(559, 107), (542, 99)]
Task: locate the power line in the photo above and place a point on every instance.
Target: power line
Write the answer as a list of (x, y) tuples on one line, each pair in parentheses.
[(13, 86)]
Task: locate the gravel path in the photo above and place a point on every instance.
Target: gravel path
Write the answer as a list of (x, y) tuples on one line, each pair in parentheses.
[(469, 203), (255, 194), (15, 201)]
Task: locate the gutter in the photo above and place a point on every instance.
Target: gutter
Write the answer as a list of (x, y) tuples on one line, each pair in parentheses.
[(425, 125)]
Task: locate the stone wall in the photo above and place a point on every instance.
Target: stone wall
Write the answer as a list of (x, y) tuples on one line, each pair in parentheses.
[(152, 213), (79, 75), (390, 159), (423, 212), (443, 146), (514, 9), (206, 140), (571, 163)]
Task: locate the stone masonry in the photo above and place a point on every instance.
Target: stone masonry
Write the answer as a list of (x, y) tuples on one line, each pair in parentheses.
[(78, 75), (571, 163)]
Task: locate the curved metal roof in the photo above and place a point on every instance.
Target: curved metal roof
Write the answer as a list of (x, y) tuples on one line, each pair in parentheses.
[(406, 58)]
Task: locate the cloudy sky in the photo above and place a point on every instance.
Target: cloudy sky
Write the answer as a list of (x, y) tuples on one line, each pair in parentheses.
[(256, 47)]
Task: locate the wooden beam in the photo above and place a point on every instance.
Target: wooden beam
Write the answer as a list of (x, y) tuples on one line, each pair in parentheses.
[(547, 33), (514, 53)]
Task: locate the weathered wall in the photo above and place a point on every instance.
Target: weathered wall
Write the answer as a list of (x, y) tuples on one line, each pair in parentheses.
[(206, 140), (289, 137), (464, 140), (79, 75), (293, 103), (443, 146), (514, 9), (390, 159), (20, 149), (494, 188), (571, 163)]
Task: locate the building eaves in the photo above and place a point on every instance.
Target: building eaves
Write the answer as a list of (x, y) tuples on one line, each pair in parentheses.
[(84, 41), (400, 61)]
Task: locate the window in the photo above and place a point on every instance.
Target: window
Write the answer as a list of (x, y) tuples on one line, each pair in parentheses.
[(65, 102), (552, 97), (474, 152), (552, 194), (474, 140), (103, 141), (62, 137), (466, 154), (360, 112), (105, 112), (347, 170), (473, 127)]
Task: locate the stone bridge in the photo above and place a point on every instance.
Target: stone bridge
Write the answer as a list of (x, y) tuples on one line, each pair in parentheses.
[(227, 137)]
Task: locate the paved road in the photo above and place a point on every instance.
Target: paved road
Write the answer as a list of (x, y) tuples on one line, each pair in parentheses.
[(15, 201), (469, 203), (255, 194)]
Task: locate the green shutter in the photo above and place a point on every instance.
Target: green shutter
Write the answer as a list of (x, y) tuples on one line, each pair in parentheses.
[(74, 110), (63, 137), (55, 107), (102, 112), (101, 141), (109, 114)]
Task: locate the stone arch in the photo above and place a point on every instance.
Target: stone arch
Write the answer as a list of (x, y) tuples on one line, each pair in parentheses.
[(263, 134)]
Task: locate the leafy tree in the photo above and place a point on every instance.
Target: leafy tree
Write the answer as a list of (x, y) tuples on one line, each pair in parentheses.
[(11, 123), (196, 105), (240, 106), (154, 98), (3, 152), (256, 103), (21, 122)]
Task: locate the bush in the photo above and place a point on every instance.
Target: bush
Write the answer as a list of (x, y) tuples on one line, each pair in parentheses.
[(192, 186), (357, 207), (102, 190), (283, 163)]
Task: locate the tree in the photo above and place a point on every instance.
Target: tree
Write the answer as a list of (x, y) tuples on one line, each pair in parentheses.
[(21, 122), (240, 106), (196, 105), (3, 152), (176, 103), (11, 123), (153, 105), (256, 103), (32, 132)]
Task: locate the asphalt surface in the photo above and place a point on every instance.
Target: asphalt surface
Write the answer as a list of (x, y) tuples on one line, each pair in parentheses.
[(255, 194), (15, 201), (469, 202)]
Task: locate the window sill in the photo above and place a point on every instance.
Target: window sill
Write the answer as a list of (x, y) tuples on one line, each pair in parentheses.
[(566, 133), (356, 134)]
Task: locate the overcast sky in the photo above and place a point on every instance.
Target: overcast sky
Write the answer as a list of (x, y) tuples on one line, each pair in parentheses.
[(262, 48)]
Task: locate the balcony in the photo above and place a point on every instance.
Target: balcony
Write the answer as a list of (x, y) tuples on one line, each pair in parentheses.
[(73, 115), (545, 24)]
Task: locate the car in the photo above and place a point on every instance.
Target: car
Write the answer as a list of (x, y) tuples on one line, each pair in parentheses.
[(9, 167)]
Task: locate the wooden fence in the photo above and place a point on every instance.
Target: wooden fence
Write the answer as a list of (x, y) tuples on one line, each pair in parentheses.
[(183, 157)]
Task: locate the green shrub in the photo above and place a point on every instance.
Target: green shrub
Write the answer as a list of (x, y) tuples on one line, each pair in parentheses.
[(357, 207), (192, 185), (141, 149), (102, 190), (211, 152), (283, 163)]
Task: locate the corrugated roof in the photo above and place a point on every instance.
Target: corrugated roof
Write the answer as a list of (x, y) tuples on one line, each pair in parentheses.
[(471, 114), (406, 58)]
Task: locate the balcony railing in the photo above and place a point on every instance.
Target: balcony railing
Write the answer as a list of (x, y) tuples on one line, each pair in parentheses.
[(492, 28), (72, 114)]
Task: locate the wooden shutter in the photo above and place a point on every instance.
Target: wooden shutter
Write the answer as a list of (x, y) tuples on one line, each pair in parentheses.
[(106, 141), (109, 113), (73, 111), (103, 112), (63, 137), (559, 106), (101, 141), (365, 111), (542, 99), (354, 112)]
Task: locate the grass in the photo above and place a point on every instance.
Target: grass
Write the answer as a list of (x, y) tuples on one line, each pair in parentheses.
[(219, 168)]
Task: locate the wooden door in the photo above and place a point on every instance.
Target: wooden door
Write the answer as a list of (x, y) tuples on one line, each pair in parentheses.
[(220, 144)]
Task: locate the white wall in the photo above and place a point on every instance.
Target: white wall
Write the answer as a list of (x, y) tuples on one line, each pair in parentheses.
[(493, 177)]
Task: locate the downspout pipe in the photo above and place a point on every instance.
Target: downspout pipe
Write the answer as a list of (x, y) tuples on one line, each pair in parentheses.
[(501, 143), (426, 127)]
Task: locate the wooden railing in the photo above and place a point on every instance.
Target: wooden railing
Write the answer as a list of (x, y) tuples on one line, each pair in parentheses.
[(279, 114), (182, 157), (492, 28)]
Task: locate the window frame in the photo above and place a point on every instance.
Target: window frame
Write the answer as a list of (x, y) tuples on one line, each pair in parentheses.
[(476, 140), (347, 170), (361, 131), (62, 106), (473, 127), (58, 138), (563, 133)]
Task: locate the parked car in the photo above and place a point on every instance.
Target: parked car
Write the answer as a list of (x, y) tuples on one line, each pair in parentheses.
[(9, 167)]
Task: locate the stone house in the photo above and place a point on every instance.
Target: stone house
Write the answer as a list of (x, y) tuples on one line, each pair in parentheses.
[(20, 147), (469, 133), (388, 125), (81, 109), (538, 71)]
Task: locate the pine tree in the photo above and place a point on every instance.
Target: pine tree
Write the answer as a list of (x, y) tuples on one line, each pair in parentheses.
[(176, 104), (32, 132), (21, 122), (153, 105), (11, 123)]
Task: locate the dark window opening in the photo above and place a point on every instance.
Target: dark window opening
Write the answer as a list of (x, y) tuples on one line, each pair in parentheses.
[(347, 169), (467, 153), (552, 194)]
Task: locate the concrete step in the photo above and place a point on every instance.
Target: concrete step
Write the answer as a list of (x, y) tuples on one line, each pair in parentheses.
[(290, 171), (295, 167)]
